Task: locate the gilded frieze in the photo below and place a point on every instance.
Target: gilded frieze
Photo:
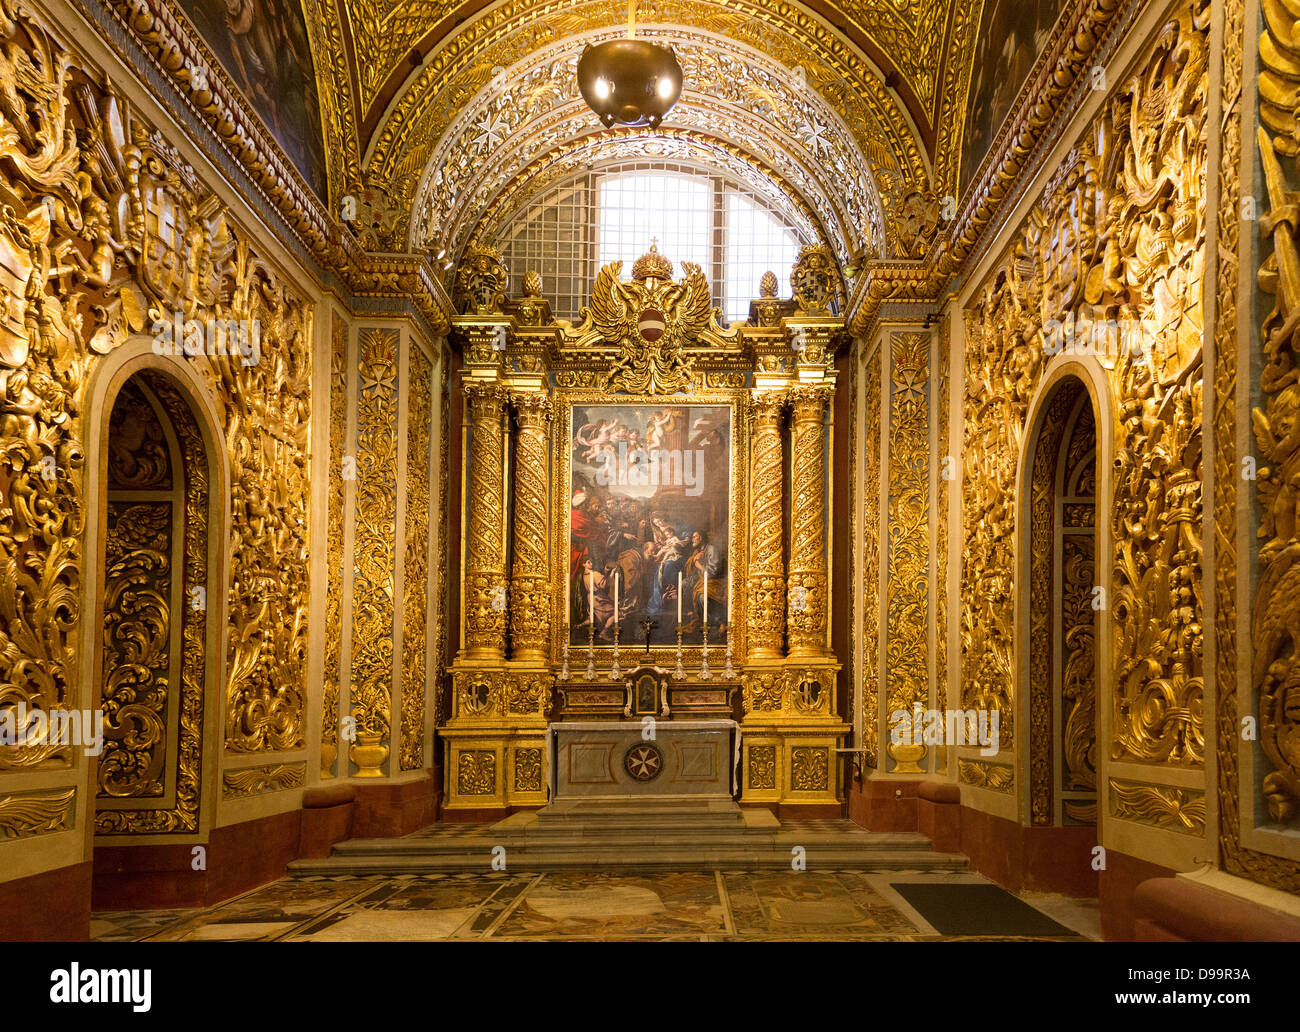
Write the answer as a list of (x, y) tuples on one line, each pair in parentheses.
[(375, 549), (996, 777), (251, 781), (415, 572), (1173, 809), (907, 602), (24, 814)]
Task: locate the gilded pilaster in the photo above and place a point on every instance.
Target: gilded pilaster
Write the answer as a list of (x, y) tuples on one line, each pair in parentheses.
[(530, 593), (766, 530)]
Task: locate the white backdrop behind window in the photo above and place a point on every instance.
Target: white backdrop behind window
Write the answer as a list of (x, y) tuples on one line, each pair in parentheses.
[(674, 209), (734, 232), (757, 242)]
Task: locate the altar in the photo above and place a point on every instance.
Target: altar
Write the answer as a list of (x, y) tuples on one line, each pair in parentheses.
[(643, 759), (646, 506)]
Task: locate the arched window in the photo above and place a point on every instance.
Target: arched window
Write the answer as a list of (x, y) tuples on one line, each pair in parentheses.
[(734, 231)]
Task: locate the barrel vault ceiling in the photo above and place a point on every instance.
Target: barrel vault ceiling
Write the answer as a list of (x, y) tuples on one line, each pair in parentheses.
[(432, 108)]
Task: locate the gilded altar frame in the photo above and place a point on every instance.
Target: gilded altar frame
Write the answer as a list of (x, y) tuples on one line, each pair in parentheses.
[(737, 399), (524, 374)]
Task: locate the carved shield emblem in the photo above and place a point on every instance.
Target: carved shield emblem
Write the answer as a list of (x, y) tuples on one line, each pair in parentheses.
[(651, 324)]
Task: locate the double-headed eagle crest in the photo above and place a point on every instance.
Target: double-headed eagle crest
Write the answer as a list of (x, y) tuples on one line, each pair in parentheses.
[(651, 320)]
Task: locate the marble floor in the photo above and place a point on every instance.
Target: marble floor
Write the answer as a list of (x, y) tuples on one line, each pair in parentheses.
[(572, 905)]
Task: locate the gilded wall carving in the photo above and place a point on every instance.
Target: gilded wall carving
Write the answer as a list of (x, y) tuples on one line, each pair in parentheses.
[(762, 766), (996, 777), (441, 549), (1275, 628), (415, 572), (871, 561), (129, 234), (1112, 254), (947, 467), (528, 770), (334, 572), (809, 769), (1235, 814), (476, 773), (138, 611), (375, 547), (907, 601)]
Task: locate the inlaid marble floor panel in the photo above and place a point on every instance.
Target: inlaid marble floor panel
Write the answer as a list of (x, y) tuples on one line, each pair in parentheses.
[(562, 906)]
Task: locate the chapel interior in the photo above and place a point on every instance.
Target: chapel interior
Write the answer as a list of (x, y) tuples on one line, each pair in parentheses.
[(649, 469)]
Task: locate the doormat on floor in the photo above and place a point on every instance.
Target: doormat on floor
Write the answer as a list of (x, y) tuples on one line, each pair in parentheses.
[(977, 910)]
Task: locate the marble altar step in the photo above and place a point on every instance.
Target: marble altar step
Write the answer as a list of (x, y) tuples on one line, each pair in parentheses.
[(638, 835)]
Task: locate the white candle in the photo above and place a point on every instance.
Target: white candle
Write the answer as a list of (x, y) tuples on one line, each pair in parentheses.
[(591, 597), (616, 597), (679, 597), (706, 596)]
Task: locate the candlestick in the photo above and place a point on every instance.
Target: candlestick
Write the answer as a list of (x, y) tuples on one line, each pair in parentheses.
[(704, 658), (729, 672), (563, 675), (680, 673), (591, 648), (614, 670)]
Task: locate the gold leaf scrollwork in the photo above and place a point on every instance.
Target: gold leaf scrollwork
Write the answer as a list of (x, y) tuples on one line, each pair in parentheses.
[(1275, 630)]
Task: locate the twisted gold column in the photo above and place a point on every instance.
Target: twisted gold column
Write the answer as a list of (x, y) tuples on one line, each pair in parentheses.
[(766, 531), (530, 595), (806, 591), (485, 575)]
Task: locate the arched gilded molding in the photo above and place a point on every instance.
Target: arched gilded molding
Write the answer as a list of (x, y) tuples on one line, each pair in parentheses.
[(205, 644), (742, 98), (1088, 374), (777, 72), (902, 41), (339, 116), (611, 146)]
